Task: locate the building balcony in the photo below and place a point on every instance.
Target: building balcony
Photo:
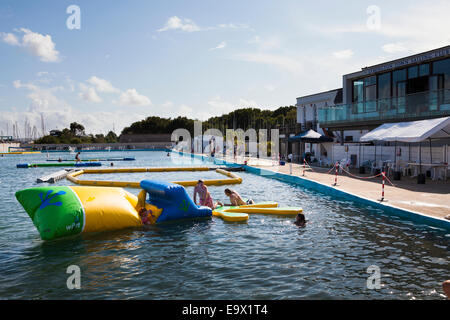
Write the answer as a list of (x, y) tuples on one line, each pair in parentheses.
[(417, 106)]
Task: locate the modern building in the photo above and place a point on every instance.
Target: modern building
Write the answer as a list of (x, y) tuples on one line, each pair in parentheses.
[(407, 89), (412, 88)]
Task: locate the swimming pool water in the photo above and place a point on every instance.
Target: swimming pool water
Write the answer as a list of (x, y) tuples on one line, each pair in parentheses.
[(266, 258)]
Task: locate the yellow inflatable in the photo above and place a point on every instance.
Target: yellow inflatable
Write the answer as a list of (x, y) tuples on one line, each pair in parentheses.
[(62, 211), (232, 178)]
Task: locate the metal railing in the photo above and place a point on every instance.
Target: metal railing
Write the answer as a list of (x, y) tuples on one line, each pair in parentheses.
[(412, 106)]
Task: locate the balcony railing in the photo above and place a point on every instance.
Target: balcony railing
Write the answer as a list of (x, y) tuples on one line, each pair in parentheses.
[(409, 107)]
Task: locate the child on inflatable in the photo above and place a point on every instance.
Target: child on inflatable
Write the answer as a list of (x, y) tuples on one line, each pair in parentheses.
[(147, 216)]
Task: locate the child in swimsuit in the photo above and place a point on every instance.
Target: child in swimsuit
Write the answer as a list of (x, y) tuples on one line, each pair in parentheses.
[(146, 216)]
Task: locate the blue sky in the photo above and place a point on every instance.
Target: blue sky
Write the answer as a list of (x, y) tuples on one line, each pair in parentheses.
[(133, 59)]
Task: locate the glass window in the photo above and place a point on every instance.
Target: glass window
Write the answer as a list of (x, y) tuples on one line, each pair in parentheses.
[(371, 93), (424, 70), (397, 76), (443, 67), (384, 85), (370, 80), (413, 72), (358, 95)]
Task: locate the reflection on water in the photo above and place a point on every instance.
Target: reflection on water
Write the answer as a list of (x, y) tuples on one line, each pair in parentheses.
[(266, 258)]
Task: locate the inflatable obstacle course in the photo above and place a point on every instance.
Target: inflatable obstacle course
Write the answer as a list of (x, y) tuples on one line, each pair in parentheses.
[(231, 177), (62, 211)]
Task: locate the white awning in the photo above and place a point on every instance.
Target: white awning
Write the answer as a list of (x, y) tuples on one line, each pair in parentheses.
[(413, 131)]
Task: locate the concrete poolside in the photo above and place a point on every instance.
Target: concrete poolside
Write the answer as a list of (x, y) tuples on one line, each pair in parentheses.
[(431, 198)]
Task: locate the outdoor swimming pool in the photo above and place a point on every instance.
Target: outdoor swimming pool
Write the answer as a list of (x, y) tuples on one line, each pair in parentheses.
[(266, 258)]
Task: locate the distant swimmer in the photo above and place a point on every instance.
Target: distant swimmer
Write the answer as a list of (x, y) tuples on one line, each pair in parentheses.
[(236, 199), (168, 154), (59, 160), (112, 164), (300, 220), (77, 157)]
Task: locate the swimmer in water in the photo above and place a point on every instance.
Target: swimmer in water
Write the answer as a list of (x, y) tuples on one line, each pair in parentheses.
[(300, 220), (77, 157)]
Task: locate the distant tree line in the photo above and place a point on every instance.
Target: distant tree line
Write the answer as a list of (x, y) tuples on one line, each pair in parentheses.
[(244, 118), (241, 118), (75, 134)]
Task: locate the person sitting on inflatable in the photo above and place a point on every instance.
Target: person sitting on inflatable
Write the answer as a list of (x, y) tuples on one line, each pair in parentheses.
[(204, 196), (236, 199)]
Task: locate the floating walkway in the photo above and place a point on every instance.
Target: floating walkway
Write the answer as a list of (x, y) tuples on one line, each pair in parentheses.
[(76, 164), (233, 178), (53, 177)]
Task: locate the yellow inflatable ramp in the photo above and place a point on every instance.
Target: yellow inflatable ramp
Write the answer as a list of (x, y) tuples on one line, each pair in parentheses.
[(227, 213)]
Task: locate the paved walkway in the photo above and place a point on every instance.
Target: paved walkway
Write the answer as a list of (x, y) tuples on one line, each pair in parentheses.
[(431, 198)]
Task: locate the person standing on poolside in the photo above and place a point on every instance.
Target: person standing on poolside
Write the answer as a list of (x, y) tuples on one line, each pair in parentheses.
[(236, 199), (204, 196)]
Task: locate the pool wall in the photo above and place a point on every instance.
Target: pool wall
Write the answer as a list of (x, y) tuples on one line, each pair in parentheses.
[(329, 190)]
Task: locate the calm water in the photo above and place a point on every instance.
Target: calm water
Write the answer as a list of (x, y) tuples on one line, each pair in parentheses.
[(266, 258)]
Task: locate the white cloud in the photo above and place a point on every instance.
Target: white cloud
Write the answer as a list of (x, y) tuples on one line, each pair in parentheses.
[(272, 42), (175, 23), (59, 114), (167, 104), (132, 98), (343, 54), (412, 29), (394, 48), (102, 85), (221, 45), (219, 106), (37, 44), (284, 62), (10, 39), (89, 94), (187, 25)]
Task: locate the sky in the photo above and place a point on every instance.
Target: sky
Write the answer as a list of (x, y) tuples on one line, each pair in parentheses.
[(117, 62)]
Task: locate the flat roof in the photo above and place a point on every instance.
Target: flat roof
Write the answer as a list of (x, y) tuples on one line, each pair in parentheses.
[(319, 93), (402, 62)]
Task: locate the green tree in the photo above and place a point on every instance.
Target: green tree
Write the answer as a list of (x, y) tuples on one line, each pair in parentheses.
[(77, 129)]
